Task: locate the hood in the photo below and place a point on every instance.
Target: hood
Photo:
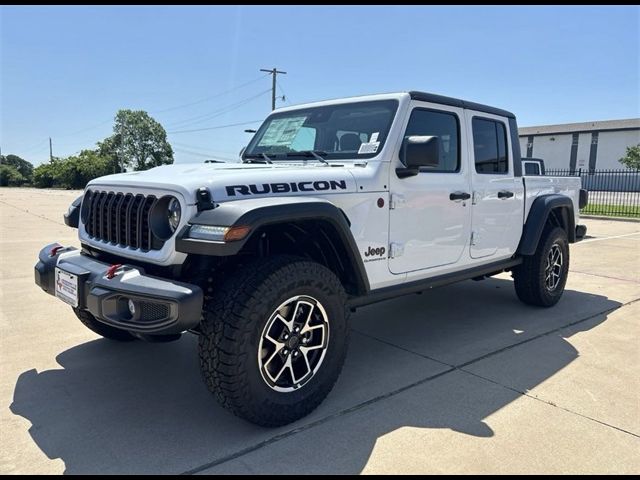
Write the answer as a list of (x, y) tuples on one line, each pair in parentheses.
[(233, 181)]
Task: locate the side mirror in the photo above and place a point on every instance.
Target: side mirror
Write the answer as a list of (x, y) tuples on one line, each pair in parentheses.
[(419, 151)]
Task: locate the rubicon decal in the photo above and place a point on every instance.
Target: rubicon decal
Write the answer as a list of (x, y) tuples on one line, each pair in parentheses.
[(264, 188)]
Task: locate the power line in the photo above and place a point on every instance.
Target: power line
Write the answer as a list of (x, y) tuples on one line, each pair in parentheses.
[(216, 127), (285, 97), (215, 113), (40, 146), (274, 73), (176, 107), (202, 100), (204, 155), (201, 148), (85, 129)]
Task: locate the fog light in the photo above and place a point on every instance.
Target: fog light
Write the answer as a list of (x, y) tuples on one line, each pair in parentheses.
[(132, 307)]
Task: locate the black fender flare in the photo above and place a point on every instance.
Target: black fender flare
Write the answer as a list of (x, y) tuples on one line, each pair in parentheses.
[(541, 209), (256, 213), (72, 217)]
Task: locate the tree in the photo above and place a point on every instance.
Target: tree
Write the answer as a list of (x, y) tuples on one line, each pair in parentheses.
[(108, 149), (22, 166), (138, 140), (44, 175), (77, 171), (10, 176), (72, 172), (632, 158)]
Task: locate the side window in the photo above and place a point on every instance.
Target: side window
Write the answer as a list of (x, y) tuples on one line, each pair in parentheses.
[(490, 146), (531, 168), (305, 139), (439, 124)]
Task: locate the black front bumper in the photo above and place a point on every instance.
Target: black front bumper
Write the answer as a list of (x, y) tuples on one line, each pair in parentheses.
[(162, 306)]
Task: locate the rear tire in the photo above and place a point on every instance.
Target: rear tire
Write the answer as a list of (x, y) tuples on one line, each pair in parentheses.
[(273, 311), (541, 278), (106, 331)]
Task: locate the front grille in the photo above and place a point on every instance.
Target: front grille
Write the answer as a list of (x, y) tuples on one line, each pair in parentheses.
[(120, 219)]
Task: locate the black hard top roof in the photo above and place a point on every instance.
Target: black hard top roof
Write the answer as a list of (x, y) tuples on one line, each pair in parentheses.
[(456, 102)]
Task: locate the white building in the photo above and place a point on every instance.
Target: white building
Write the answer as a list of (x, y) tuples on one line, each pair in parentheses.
[(586, 146)]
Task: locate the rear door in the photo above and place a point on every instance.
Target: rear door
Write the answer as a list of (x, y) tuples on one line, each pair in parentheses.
[(497, 200)]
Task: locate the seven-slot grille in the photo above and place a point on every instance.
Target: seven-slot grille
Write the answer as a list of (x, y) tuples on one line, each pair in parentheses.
[(121, 219)]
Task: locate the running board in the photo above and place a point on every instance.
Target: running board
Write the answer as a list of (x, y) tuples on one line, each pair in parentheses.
[(419, 286)]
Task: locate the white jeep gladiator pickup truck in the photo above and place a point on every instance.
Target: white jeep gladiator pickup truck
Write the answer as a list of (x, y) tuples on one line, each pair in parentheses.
[(334, 205)]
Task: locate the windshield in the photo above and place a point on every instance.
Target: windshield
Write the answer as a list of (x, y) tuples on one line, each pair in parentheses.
[(350, 130)]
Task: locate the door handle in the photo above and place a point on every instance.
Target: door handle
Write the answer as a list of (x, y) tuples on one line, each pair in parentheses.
[(505, 194), (459, 196)]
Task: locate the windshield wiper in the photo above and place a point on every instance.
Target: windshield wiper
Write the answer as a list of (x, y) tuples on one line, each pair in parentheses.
[(253, 156), (310, 153)]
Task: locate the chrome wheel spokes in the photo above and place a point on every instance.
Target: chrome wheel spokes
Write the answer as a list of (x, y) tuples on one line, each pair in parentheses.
[(553, 267), (293, 343)]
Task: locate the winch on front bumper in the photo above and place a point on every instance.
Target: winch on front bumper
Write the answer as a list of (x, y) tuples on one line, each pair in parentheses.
[(118, 295)]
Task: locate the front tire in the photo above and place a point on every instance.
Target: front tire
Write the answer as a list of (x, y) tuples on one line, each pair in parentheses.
[(541, 278), (274, 339)]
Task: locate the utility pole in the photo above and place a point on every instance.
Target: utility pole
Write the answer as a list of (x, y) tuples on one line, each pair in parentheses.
[(273, 73), (50, 150)]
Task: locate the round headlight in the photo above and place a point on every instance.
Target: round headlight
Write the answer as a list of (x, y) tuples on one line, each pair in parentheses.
[(173, 214)]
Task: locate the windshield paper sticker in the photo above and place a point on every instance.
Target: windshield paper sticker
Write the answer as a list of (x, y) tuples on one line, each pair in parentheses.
[(281, 131), (374, 137), (369, 147)]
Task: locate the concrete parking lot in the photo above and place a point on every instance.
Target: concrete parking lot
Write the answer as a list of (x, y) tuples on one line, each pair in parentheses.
[(463, 379)]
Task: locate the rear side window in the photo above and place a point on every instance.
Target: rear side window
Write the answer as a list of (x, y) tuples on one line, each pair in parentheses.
[(440, 124), (531, 168), (490, 146)]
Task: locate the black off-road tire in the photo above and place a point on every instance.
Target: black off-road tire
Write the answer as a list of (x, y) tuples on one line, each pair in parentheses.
[(232, 325), (106, 331), (529, 277)]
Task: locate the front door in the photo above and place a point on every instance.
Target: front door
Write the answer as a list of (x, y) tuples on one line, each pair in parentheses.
[(430, 219), (497, 202)]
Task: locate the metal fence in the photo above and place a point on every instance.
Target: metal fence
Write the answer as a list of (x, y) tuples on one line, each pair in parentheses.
[(613, 193)]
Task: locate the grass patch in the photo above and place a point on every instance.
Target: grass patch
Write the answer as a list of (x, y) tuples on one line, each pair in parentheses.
[(611, 210)]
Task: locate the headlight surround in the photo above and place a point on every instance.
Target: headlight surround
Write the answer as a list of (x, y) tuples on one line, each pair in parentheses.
[(174, 213), (165, 217)]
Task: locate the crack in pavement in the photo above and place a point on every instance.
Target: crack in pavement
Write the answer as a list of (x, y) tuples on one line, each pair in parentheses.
[(605, 276), (549, 403), (31, 213), (393, 393)]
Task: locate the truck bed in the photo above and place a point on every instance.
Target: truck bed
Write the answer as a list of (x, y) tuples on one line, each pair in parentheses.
[(534, 186)]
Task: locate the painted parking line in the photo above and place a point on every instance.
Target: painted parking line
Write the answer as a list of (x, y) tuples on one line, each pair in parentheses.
[(605, 238)]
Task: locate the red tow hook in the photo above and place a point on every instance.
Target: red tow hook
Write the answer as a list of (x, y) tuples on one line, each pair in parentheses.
[(111, 271), (54, 251)]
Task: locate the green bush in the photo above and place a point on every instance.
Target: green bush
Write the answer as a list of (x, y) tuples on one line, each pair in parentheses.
[(10, 176), (72, 172), (21, 165), (44, 175)]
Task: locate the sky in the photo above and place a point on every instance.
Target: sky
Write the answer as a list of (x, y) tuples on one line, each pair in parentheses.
[(66, 71)]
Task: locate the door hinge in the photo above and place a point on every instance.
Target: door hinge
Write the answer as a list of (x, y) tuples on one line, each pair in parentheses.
[(396, 201), (396, 250), (474, 238), (474, 198)]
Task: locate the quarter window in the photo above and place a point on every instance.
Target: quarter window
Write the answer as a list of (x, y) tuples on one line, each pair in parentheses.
[(439, 124), (490, 146)]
